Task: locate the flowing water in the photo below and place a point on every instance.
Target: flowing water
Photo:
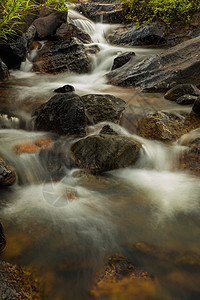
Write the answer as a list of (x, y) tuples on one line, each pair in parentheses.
[(70, 237)]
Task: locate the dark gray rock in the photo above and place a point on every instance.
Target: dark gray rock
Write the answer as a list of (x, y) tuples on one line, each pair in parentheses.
[(101, 153), (122, 59), (100, 108), (68, 30), (180, 90), (47, 26), (63, 55), (196, 107), (4, 73), (14, 53), (107, 130), (186, 100), (62, 114), (65, 89), (7, 173), (102, 12), (2, 238), (173, 66), (133, 35)]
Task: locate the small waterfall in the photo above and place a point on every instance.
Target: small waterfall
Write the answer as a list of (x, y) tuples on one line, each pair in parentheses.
[(82, 22), (26, 66), (7, 121)]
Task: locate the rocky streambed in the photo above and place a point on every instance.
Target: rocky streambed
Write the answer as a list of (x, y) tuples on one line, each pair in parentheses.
[(99, 178)]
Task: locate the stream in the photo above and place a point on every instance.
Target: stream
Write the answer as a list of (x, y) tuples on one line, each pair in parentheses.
[(69, 239)]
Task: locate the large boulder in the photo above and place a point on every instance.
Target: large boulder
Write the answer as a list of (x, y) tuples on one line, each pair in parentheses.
[(133, 35), (161, 72), (68, 30), (166, 126), (47, 26), (101, 108), (7, 173), (104, 152), (4, 73), (62, 114), (18, 283), (14, 53), (63, 55)]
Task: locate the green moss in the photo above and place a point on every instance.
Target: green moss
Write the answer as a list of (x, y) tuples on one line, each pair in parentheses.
[(168, 11)]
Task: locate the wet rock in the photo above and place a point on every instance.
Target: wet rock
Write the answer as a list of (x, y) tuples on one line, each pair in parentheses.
[(68, 30), (14, 53), (133, 35), (181, 90), (122, 59), (101, 153), (62, 114), (118, 269), (186, 100), (196, 107), (190, 158), (107, 130), (65, 89), (165, 126), (2, 238), (18, 283), (65, 55), (101, 108), (7, 173), (47, 26), (173, 66), (4, 73), (102, 12)]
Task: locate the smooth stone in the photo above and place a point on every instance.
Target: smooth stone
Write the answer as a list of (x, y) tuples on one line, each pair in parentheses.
[(186, 100), (181, 90), (65, 89), (105, 152)]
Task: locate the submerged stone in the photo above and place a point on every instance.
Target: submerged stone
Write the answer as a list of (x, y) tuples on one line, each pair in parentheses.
[(18, 283), (118, 273)]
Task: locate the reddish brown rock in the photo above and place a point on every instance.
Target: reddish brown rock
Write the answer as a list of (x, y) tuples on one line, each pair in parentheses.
[(32, 146)]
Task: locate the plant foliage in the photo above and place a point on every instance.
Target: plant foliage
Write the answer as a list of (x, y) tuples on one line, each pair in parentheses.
[(168, 11), (12, 13)]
